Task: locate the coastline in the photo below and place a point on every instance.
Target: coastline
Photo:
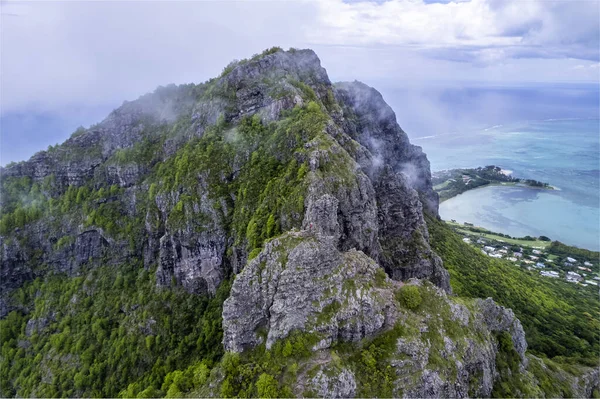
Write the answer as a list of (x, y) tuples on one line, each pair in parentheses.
[(450, 183), (503, 184), (520, 211)]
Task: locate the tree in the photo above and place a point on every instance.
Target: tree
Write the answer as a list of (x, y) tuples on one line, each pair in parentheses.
[(267, 386), (287, 349), (410, 296), (270, 225)]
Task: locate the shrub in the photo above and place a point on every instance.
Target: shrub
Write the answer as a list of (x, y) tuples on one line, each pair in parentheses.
[(409, 296), (266, 386)]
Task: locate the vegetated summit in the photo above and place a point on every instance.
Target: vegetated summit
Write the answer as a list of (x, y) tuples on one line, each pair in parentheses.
[(261, 234)]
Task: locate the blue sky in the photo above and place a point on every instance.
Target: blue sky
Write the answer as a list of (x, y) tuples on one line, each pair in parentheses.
[(68, 64)]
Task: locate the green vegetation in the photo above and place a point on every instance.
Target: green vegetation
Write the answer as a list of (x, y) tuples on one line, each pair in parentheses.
[(450, 183), (484, 233), (370, 362), (109, 332), (562, 251), (559, 319), (268, 186), (261, 372), (409, 296), (22, 202)]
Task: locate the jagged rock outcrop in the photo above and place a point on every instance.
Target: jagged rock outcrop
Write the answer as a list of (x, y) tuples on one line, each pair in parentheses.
[(371, 122), (403, 232), (302, 282), (340, 199), (500, 319), (340, 385)]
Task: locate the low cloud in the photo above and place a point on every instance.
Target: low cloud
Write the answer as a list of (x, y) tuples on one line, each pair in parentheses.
[(482, 31), (64, 61)]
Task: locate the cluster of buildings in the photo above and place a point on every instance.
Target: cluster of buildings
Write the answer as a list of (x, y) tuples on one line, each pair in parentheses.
[(581, 273), (574, 277)]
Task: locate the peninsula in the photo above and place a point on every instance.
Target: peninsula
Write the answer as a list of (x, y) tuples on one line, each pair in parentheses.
[(450, 183)]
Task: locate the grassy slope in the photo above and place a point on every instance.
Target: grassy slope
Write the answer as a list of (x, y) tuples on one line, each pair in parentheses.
[(492, 236), (559, 320)]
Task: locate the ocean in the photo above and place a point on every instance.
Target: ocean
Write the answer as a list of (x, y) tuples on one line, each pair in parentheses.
[(563, 153), (546, 133)]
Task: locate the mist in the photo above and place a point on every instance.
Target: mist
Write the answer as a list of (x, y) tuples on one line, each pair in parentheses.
[(430, 110)]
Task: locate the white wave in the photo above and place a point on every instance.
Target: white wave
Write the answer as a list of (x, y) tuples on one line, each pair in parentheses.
[(493, 127), (423, 138)]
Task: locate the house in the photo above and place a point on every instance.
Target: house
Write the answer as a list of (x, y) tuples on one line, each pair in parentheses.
[(537, 252), (489, 249), (467, 240), (588, 264), (573, 277), (552, 274), (592, 282), (533, 257), (481, 241), (503, 251), (596, 278), (518, 254), (571, 260), (540, 264), (528, 262), (497, 256), (568, 264), (512, 259)]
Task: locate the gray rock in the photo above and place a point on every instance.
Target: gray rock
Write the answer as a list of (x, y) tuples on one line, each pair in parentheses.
[(405, 251), (340, 385), (302, 282), (498, 319), (35, 325), (371, 122), (89, 246)]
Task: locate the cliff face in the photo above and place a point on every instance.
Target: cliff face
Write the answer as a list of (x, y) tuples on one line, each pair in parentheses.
[(307, 194)]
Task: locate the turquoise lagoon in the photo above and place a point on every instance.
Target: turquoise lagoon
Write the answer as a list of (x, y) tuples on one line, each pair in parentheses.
[(564, 153)]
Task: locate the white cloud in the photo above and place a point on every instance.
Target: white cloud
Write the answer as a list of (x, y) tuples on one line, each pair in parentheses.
[(56, 55), (481, 30)]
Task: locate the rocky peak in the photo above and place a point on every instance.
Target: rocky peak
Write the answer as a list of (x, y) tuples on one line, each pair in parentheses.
[(364, 184), (278, 65), (375, 127)]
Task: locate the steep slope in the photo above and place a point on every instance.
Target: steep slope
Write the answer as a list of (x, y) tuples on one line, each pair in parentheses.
[(119, 248), (185, 179)]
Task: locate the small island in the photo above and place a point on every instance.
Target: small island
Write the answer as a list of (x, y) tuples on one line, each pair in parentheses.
[(450, 183)]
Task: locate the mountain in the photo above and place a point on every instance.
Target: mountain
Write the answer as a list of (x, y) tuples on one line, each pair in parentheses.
[(266, 233)]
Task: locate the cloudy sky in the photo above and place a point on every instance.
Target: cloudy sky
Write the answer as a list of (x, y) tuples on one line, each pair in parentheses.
[(68, 64)]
